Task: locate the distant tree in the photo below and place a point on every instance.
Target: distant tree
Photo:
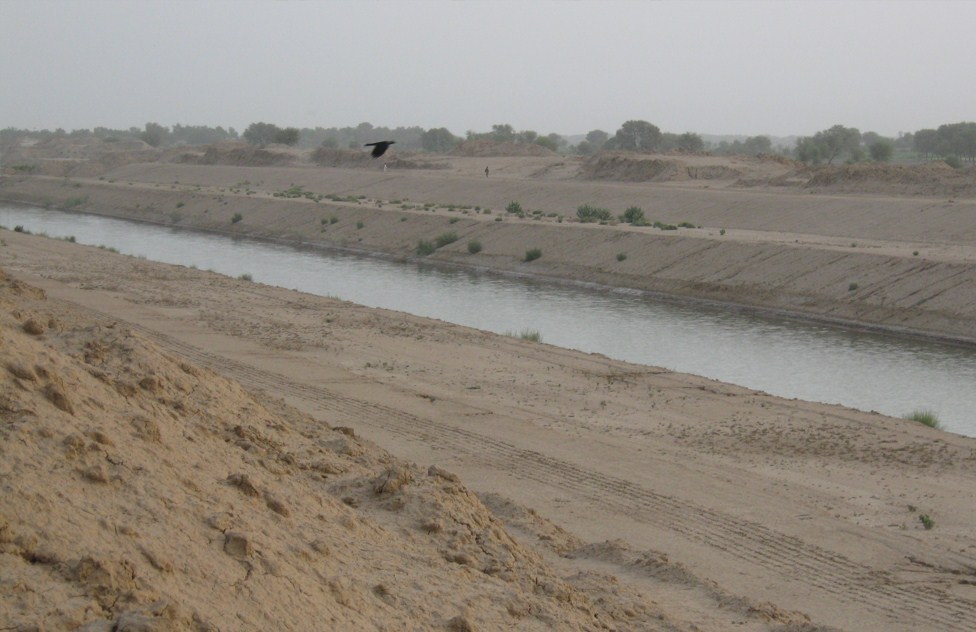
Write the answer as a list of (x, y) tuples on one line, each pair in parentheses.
[(330, 142), (548, 142), (288, 136), (691, 142), (438, 140), (926, 142), (527, 136), (584, 148), (809, 151), (154, 134), (881, 151), (757, 145), (830, 144), (261, 133), (636, 136), (596, 138), (502, 133)]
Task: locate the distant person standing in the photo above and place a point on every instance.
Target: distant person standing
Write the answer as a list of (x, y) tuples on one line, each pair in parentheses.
[(486, 172)]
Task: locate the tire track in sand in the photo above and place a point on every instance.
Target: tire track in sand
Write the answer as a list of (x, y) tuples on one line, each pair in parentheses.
[(907, 607)]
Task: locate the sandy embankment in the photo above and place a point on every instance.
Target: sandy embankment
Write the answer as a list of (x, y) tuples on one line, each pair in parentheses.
[(901, 263), (144, 488)]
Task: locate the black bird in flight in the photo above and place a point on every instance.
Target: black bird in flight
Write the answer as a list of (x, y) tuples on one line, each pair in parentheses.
[(380, 147)]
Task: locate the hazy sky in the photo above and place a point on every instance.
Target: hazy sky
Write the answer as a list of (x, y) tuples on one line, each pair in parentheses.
[(721, 67)]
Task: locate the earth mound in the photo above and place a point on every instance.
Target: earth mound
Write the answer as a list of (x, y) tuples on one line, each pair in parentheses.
[(490, 148), (628, 167), (933, 178), (143, 492)]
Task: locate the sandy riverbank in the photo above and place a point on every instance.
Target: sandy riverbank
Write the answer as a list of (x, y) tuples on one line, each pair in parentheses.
[(905, 263), (154, 476), (185, 451)]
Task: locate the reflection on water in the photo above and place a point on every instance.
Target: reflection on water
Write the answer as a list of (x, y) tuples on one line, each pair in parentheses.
[(783, 357)]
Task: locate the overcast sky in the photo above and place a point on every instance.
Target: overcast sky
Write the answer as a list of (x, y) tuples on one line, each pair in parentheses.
[(721, 67)]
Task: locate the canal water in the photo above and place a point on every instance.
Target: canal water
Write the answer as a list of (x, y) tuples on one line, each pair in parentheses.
[(890, 374)]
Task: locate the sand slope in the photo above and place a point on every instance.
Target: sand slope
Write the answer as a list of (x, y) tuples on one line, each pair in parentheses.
[(142, 492), (902, 262), (683, 503)]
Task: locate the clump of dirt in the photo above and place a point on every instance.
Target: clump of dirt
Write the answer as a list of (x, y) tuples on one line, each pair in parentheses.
[(489, 148), (934, 178), (244, 155), (629, 167)]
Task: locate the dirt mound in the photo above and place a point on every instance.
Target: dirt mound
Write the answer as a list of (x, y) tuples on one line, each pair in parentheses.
[(627, 167), (143, 492), (85, 156), (243, 155), (351, 158), (489, 148), (934, 178)]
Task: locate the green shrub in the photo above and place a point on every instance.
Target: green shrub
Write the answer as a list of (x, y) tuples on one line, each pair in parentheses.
[(474, 247), (589, 214), (526, 334), (621, 256), (926, 521), (180, 204), (634, 216), (359, 225), (515, 208), (953, 161), (333, 219), (425, 248), (532, 254), (852, 286), (925, 417), (246, 277), (663, 226), (237, 217), (444, 239), (686, 225)]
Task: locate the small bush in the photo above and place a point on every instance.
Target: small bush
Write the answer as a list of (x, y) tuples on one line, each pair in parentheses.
[(621, 256), (663, 226), (359, 225), (453, 220), (246, 277), (686, 225), (425, 248), (852, 286), (237, 217), (180, 205), (532, 254), (925, 417), (953, 161), (926, 521), (515, 208), (634, 216), (474, 247), (526, 334), (442, 240), (333, 220), (589, 214), (721, 232)]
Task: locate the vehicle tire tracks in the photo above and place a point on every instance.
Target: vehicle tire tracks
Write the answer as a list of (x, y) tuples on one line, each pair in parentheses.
[(752, 542)]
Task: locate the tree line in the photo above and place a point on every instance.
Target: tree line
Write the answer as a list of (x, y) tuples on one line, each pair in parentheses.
[(955, 143)]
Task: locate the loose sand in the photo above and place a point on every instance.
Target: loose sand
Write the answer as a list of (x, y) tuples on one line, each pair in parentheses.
[(187, 451)]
